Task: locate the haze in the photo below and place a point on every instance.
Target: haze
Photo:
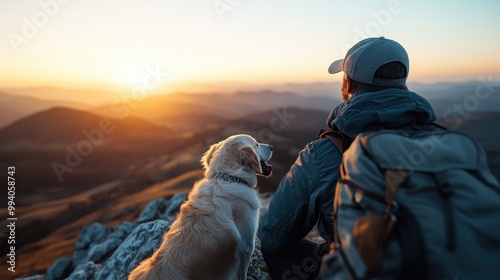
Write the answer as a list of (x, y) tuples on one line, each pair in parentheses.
[(205, 46)]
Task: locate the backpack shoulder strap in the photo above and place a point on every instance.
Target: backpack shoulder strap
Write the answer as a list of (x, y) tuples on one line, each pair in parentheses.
[(422, 127), (342, 141), (339, 139)]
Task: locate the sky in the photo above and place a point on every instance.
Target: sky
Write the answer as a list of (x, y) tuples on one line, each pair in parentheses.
[(119, 43)]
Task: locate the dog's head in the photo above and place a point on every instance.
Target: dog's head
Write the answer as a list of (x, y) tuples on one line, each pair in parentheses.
[(238, 153)]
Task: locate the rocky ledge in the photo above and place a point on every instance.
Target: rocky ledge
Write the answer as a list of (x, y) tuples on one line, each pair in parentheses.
[(104, 252)]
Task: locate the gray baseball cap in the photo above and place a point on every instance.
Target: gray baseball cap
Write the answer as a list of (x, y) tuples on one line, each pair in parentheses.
[(363, 59)]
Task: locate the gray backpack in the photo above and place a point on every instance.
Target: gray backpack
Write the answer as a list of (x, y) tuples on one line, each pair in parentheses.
[(415, 205)]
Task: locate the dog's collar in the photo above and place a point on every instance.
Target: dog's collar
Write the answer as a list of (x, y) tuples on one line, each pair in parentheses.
[(230, 178)]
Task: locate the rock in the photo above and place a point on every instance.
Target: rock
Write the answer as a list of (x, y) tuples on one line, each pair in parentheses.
[(85, 271), (79, 256), (93, 234), (121, 231), (98, 251), (152, 210), (139, 245), (162, 209), (258, 268), (60, 269), (173, 207)]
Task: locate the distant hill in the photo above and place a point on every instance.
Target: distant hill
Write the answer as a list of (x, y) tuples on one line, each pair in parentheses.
[(442, 96), (64, 125), (484, 128), (448, 99), (176, 110), (185, 112), (294, 118), (14, 107), (35, 143), (91, 96)]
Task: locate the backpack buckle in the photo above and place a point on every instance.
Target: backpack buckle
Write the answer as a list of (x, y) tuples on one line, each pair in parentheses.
[(391, 220), (390, 209)]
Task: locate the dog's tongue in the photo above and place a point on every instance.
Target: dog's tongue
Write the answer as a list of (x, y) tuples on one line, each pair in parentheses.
[(268, 167)]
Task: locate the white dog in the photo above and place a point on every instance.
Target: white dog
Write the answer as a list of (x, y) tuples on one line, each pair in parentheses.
[(213, 236)]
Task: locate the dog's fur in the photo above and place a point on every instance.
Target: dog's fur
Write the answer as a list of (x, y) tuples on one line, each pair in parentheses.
[(213, 236)]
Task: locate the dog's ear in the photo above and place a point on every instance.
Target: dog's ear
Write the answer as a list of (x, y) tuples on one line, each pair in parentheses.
[(250, 158), (205, 160)]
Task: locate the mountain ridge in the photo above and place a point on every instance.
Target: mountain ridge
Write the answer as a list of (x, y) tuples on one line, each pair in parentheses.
[(66, 125), (15, 107), (166, 107)]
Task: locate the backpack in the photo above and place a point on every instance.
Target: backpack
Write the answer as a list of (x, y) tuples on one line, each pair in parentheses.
[(413, 204)]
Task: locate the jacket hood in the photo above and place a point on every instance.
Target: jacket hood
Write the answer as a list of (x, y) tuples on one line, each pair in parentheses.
[(390, 108)]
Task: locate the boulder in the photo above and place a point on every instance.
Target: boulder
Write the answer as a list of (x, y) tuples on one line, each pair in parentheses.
[(85, 271), (152, 210), (173, 207), (139, 245), (95, 233), (99, 251), (102, 251), (60, 269)]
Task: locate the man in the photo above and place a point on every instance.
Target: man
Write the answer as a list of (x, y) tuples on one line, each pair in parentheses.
[(375, 97)]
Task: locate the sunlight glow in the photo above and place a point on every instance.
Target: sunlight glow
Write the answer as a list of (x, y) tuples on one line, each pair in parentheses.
[(111, 43)]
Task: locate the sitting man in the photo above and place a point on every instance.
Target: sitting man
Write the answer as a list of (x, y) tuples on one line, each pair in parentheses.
[(375, 97)]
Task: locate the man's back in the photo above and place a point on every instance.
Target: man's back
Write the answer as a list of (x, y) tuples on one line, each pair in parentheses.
[(305, 196)]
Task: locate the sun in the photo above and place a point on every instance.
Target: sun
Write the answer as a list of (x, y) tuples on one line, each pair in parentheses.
[(129, 75)]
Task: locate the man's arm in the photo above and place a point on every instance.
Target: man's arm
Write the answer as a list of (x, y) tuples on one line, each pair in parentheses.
[(298, 201)]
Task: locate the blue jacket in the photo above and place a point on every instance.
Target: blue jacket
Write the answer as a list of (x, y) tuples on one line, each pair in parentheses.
[(304, 197)]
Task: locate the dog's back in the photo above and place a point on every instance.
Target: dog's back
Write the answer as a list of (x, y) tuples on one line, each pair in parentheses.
[(203, 241)]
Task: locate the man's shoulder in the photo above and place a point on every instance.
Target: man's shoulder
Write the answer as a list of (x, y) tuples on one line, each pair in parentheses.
[(320, 159), (322, 149)]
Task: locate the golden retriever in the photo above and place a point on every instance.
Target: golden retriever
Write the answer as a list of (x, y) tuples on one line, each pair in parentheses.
[(213, 236)]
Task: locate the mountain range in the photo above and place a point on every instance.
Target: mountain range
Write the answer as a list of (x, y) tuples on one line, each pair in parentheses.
[(153, 151), (472, 96), (15, 107)]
